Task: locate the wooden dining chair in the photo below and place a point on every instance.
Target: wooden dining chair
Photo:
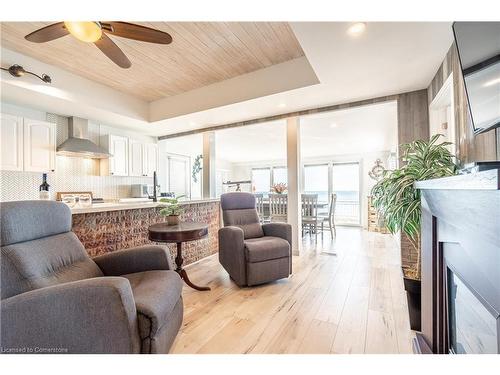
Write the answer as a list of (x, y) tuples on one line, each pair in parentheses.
[(278, 204), (259, 205), (310, 218), (330, 219)]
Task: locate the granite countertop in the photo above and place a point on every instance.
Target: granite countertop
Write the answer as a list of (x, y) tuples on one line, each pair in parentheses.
[(485, 180), (116, 206)]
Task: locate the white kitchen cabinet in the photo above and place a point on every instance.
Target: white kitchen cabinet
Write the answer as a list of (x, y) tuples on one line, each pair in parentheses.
[(11, 143), (117, 164), (150, 159), (39, 146), (136, 158)]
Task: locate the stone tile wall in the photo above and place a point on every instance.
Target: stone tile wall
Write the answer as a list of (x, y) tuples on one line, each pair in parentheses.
[(104, 232)]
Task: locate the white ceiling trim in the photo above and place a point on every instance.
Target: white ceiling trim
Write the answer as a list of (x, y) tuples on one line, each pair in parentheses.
[(277, 78)]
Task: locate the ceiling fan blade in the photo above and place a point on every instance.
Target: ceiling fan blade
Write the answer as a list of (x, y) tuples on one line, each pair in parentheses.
[(110, 49), (48, 33), (136, 32)]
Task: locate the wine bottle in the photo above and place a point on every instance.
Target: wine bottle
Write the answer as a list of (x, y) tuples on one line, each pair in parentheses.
[(44, 188)]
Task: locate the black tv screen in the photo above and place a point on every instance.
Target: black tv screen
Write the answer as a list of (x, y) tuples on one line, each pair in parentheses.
[(478, 46)]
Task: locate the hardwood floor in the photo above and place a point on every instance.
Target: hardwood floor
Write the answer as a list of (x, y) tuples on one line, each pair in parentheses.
[(352, 302)]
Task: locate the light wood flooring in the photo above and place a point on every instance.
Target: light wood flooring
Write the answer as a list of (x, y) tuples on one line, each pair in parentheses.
[(352, 302)]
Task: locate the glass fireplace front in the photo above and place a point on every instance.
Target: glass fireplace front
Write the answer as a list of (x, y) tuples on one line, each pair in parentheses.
[(472, 328)]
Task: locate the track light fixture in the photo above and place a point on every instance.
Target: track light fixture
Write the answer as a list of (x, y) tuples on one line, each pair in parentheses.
[(18, 71)]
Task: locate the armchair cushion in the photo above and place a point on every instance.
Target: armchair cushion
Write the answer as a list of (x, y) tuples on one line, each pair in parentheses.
[(156, 293), (246, 219), (137, 259), (266, 248), (42, 262)]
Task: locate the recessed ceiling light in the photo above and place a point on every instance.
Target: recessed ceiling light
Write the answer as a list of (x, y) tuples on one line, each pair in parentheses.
[(333, 125), (356, 28)]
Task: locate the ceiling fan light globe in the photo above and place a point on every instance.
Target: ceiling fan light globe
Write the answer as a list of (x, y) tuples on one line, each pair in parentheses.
[(88, 32)]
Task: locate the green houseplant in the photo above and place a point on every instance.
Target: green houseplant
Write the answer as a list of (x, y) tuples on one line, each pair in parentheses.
[(398, 202), (172, 210)]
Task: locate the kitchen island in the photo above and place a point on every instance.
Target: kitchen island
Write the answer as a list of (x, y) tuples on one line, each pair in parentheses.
[(107, 227)]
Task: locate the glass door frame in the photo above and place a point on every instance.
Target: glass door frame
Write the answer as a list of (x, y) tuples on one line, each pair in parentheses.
[(331, 165)]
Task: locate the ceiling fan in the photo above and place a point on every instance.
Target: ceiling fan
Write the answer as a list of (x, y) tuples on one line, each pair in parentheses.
[(97, 33)]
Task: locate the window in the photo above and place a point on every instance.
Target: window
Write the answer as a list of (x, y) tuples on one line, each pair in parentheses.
[(280, 175), (316, 181), (261, 180)]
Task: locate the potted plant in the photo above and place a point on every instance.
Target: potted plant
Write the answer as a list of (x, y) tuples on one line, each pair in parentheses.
[(172, 210), (398, 202), (279, 188)]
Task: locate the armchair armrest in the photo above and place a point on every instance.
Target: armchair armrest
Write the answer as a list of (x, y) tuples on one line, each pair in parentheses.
[(282, 230), (87, 316), (232, 253), (136, 259)]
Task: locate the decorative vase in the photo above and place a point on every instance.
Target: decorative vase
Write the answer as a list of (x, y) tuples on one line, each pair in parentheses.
[(173, 219)]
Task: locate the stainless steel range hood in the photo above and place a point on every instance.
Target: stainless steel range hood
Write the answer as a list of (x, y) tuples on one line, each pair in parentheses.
[(78, 144)]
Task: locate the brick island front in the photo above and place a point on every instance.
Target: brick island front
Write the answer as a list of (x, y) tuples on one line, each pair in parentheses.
[(104, 229)]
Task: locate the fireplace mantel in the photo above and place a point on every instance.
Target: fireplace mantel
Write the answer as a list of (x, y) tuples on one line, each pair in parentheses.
[(461, 235)]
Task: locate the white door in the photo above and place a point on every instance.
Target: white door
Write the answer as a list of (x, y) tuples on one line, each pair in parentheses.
[(11, 143), (178, 175), (135, 158), (118, 147), (39, 146), (150, 159)]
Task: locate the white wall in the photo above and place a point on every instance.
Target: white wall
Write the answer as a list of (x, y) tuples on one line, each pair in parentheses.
[(71, 174)]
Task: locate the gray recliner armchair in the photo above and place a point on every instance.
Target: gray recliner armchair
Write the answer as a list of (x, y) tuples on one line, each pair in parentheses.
[(55, 298), (252, 253)]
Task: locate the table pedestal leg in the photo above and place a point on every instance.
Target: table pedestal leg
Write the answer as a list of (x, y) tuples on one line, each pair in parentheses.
[(182, 272)]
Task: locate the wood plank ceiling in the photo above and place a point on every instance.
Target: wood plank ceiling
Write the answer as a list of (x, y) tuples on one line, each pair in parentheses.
[(202, 53)]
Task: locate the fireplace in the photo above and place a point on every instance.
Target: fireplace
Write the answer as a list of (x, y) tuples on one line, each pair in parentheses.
[(460, 265), (472, 327)]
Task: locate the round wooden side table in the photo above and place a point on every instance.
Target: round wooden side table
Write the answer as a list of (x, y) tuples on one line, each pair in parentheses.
[(178, 234)]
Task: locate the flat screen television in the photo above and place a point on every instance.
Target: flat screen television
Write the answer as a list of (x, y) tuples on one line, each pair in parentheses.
[(478, 45)]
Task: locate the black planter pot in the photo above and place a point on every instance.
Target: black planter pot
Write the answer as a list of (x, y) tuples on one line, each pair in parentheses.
[(413, 293)]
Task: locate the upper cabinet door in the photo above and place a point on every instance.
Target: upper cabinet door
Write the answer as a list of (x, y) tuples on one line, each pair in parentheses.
[(150, 158), (135, 158), (11, 143), (39, 146), (118, 147)]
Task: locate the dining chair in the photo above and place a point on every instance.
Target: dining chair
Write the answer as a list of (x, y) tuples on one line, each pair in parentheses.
[(310, 213), (278, 204), (330, 219), (259, 205)]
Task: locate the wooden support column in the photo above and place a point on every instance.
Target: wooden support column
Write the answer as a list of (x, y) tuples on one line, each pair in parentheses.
[(209, 176), (294, 178)]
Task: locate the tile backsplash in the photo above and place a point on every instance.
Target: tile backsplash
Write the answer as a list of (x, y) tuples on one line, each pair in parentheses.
[(24, 185), (71, 174)]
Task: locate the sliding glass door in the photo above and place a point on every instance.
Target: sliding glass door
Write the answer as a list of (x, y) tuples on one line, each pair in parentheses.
[(317, 181), (341, 179), (346, 184)]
